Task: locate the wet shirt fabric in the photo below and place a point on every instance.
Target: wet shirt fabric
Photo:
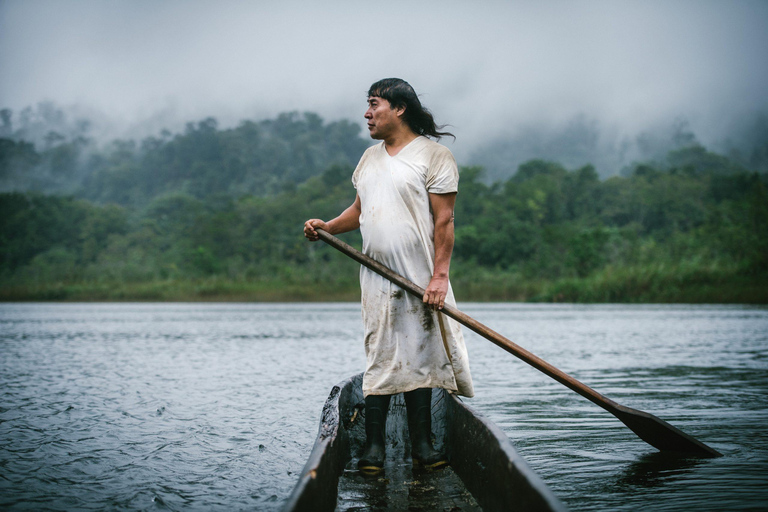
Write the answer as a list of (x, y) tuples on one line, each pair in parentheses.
[(407, 344)]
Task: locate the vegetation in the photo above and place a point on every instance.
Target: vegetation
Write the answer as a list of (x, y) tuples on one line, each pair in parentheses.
[(216, 214), (255, 158)]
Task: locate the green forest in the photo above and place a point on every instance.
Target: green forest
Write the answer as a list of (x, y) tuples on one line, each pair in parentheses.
[(217, 214)]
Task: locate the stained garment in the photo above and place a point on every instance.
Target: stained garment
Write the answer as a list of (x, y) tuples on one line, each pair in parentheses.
[(407, 344)]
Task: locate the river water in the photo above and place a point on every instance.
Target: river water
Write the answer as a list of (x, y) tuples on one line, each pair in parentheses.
[(216, 406)]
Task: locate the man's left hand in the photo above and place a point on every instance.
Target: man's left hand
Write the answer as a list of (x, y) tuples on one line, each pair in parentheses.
[(434, 295)]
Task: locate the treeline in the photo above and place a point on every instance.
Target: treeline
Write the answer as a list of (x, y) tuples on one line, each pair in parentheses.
[(691, 229), (255, 158), (697, 232)]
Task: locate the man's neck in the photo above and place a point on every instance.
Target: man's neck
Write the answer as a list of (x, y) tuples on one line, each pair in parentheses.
[(398, 140)]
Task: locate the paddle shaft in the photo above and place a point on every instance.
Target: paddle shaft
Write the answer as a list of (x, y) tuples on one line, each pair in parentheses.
[(648, 427)]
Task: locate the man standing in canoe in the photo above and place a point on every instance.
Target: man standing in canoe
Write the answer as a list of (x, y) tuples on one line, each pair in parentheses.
[(406, 191)]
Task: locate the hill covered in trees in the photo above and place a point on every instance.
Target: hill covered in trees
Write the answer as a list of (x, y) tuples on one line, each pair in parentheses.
[(217, 214), (254, 158)]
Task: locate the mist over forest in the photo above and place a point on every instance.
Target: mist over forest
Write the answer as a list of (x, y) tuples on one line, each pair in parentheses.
[(47, 151), (213, 212), (50, 149)]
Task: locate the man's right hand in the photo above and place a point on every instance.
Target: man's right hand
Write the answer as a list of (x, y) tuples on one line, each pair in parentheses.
[(309, 229)]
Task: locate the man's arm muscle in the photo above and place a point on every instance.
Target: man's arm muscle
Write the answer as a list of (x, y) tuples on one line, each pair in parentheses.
[(442, 213), (349, 220)]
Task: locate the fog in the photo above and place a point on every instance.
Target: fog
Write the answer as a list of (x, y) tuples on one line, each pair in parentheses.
[(494, 71)]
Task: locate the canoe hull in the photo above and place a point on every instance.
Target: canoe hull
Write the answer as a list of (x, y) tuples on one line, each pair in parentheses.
[(481, 454)]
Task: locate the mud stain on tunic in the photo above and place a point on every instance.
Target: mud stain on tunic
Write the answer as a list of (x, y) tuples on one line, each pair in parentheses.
[(427, 318)]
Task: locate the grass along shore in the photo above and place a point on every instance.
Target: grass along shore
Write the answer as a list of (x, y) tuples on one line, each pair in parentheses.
[(660, 283)]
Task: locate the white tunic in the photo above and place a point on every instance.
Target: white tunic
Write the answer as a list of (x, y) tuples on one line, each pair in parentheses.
[(407, 344)]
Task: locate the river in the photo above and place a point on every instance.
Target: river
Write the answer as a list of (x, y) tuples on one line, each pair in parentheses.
[(216, 406)]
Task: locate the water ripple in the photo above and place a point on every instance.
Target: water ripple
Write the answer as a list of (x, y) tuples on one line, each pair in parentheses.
[(216, 406)]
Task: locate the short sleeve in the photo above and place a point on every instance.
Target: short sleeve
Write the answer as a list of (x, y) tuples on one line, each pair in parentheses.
[(360, 166), (443, 173)]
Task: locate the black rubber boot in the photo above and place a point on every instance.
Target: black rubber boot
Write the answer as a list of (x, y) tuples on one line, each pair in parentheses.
[(372, 460), (419, 406)]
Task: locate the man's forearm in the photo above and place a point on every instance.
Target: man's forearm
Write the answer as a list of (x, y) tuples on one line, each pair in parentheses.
[(444, 239), (349, 220)]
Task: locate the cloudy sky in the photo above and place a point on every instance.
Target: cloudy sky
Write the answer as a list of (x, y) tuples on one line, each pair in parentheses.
[(484, 67)]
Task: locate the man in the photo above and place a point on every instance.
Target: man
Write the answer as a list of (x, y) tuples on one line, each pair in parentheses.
[(406, 191)]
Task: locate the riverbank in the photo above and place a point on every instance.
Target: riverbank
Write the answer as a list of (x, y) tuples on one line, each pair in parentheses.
[(690, 284)]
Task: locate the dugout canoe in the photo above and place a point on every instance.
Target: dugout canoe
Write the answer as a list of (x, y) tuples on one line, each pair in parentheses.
[(485, 472)]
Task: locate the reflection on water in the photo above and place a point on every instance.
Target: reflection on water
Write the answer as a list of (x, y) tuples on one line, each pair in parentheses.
[(216, 406), (656, 470)]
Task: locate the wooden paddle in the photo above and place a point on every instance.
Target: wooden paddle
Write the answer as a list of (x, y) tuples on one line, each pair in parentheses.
[(649, 428)]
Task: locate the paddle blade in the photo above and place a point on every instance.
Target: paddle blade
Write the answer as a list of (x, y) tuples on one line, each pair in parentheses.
[(660, 434)]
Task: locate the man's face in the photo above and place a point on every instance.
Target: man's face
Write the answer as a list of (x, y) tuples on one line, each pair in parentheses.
[(383, 120)]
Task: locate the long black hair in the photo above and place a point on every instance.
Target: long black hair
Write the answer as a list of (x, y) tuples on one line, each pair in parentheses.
[(399, 93)]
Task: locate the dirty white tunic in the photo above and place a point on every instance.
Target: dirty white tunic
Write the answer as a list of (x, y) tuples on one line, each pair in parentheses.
[(407, 345)]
